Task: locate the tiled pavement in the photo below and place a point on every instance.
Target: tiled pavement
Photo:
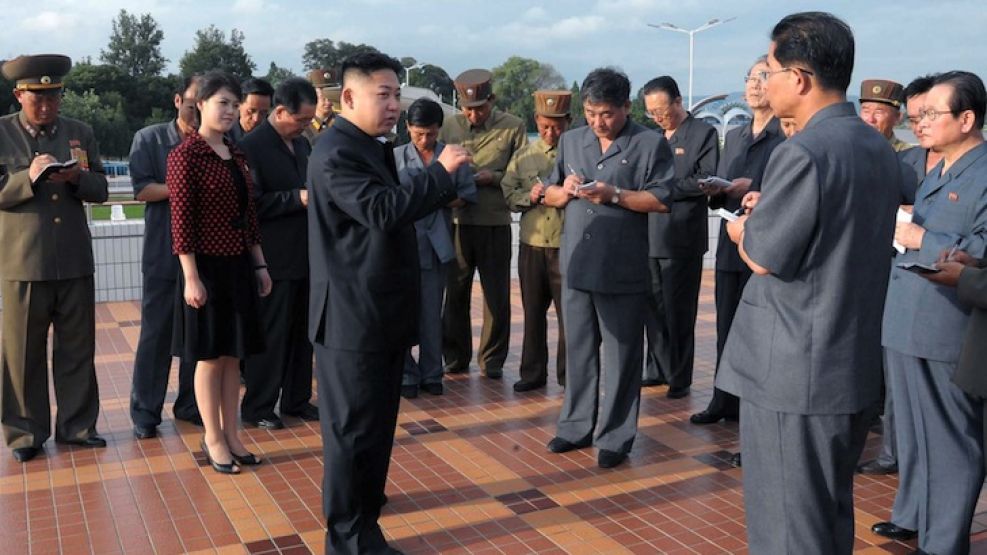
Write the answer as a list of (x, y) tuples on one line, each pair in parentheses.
[(470, 474)]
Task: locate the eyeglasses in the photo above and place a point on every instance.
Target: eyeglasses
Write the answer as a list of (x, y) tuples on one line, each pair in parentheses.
[(659, 113), (754, 77), (931, 114), (765, 75)]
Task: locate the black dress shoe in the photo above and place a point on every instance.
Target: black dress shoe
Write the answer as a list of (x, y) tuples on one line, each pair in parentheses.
[(409, 391), (308, 412), (652, 382), (522, 386), (876, 468), (559, 445), (893, 531), (494, 373), (91, 441), (267, 423), (677, 392), (706, 417), (433, 388), (735, 460), (145, 432), (228, 468), (24, 454), (610, 459), (193, 419)]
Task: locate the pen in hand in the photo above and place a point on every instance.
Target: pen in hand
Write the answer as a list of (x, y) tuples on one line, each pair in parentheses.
[(952, 250)]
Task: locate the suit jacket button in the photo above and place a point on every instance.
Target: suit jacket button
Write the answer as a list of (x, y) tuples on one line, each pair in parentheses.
[(54, 196), (586, 236), (58, 220), (599, 166), (589, 210)]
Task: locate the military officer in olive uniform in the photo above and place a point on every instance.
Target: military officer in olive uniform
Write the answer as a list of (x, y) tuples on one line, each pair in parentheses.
[(541, 232), (46, 263), (481, 231), (880, 108), (327, 90)]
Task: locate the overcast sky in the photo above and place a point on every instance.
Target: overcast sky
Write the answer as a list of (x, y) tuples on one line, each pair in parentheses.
[(895, 40)]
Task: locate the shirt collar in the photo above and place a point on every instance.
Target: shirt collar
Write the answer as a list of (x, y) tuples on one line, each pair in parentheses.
[(37, 131)]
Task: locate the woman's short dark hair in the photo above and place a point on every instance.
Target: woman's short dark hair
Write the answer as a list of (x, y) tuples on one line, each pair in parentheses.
[(663, 84), (425, 113), (293, 93), (366, 63), (820, 41), (968, 94), (606, 85), (215, 81)]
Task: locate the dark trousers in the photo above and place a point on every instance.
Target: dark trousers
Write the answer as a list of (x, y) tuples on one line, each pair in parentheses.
[(428, 368), (486, 249), (603, 385), (940, 453), (30, 308), (729, 286), (152, 361), (541, 285), (284, 368), (671, 322), (798, 479), (359, 395)]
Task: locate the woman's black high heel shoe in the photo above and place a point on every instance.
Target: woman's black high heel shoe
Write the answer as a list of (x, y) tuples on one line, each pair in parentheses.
[(229, 468), (249, 459)]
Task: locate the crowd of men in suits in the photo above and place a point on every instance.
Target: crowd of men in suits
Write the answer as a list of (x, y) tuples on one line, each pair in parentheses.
[(373, 250)]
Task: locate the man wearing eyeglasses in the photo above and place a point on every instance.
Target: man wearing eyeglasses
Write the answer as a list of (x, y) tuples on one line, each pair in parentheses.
[(803, 354), (939, 427), (278, 156), (46, 263), (677, 240)]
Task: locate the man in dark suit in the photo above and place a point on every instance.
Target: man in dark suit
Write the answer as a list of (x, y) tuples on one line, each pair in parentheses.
[(804, 352), (677, 240), (938, 426), (364, 275), (278, 156), (152, 360), (608, 175)]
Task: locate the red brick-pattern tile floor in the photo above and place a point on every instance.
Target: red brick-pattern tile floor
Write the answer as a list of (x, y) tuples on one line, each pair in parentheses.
[(470, 474)]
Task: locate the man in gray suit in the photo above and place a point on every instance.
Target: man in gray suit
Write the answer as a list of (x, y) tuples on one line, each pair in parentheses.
[(939, 427), (435, 247), (804, 355), (611, 172)]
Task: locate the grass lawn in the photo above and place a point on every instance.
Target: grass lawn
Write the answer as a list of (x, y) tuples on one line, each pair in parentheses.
[(133, 212)]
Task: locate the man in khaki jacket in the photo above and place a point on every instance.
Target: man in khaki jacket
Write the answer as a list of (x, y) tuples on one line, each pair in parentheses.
[(481, 231), (46, 263), (541, 232)]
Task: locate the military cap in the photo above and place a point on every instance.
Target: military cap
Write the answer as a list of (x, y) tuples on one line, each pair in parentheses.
[(552, 104), (322, 77), (37, 73), (474, 87), (880, 90)]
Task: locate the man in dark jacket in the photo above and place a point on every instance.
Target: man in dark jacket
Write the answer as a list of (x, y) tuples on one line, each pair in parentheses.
[(364, 275)]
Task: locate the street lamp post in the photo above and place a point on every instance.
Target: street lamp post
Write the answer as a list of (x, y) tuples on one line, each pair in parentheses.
[(407, 71), (692, 33)]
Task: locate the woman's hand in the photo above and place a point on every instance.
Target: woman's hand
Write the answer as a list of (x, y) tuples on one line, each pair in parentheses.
[(195, 293), (263, 282)]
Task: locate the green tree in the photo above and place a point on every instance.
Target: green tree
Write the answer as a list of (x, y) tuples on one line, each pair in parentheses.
[(324, 53), (8, 104), (135, 45), (517, 79), (212, 51), (105, 115), (275, 74), (434, 78), (576, 108)]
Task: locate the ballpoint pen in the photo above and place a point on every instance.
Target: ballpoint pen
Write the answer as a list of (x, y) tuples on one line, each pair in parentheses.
[(952, 250)]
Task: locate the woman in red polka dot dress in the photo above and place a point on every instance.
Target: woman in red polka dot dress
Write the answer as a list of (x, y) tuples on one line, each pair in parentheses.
[(215, 235)]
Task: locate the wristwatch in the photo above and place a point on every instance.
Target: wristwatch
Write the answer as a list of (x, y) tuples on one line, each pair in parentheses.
[(615, 199)]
